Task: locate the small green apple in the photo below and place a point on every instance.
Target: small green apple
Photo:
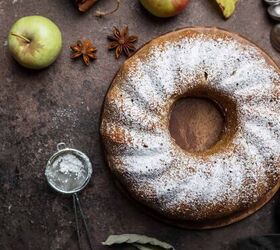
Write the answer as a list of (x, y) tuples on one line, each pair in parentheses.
[(165, 8), (35, 42)]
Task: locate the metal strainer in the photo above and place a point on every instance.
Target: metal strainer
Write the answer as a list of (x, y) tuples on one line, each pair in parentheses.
[(68, 171)]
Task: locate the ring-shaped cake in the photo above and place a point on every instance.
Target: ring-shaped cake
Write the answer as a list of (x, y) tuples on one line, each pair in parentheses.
[(223, 184)]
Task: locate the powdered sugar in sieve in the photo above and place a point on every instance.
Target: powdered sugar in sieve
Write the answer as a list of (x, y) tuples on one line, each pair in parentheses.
[(69, 170)]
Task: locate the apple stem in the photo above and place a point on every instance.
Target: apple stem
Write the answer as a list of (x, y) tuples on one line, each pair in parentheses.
[(21, 37)]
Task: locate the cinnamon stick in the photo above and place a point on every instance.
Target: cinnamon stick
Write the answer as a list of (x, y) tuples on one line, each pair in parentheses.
[(85, 5)]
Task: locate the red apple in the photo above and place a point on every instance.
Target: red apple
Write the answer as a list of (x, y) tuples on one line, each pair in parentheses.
[(165, 8)]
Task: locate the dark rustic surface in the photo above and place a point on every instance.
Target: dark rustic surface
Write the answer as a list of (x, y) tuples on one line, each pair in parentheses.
[(63, 103)]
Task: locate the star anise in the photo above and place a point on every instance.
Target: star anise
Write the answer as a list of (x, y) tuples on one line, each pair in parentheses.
[(122, 42), (85, 49)]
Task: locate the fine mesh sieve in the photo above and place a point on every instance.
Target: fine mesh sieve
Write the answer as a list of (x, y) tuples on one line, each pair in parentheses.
[(68, 171)]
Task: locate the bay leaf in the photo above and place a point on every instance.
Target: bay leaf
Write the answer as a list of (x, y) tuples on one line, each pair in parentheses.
[(146, 247), (147, 243), (227, 6)]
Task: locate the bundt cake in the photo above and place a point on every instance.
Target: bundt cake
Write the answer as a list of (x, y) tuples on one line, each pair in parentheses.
[(195, 189)]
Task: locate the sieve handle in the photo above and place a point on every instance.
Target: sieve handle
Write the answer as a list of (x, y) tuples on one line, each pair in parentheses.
[(60, 146), (84, 219), (77, 223)]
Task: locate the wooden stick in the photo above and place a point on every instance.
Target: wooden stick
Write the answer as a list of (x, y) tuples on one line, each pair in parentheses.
[(85, 5)]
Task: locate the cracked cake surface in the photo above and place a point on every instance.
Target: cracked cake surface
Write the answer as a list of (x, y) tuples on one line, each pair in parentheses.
[(240, 172)]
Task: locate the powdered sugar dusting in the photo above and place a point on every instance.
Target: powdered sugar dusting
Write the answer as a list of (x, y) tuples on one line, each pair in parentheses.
[(241, 175)]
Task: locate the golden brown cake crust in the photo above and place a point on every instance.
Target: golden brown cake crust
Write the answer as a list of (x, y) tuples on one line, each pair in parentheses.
[(207, 224), (154, 170)]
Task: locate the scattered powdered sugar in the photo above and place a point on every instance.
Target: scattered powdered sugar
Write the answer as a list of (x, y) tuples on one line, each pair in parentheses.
[(148, 157), (65, 115)]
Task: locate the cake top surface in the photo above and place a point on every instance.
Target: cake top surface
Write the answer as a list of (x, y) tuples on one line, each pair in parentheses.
[(136, 118)]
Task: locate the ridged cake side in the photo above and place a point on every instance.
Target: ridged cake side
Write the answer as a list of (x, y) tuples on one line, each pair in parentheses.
[(144, 157)]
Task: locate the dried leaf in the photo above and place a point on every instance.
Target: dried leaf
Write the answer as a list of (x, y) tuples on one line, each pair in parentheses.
[(227, 6), (141, 242), (144, 247)]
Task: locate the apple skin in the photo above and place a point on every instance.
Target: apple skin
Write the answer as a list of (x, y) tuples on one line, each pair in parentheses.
[(44, 46), (165, 8)]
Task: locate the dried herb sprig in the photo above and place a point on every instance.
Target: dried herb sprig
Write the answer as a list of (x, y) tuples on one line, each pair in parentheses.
[(100, 13)]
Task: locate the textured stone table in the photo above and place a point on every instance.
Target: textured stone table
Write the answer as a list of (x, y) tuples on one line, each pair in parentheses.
[(63, 103)]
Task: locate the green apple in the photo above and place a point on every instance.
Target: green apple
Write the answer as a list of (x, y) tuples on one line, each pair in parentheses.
[(35, 42), (165, 8)]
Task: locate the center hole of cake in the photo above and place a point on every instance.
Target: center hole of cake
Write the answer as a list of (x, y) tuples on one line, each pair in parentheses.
[(196, 124)]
